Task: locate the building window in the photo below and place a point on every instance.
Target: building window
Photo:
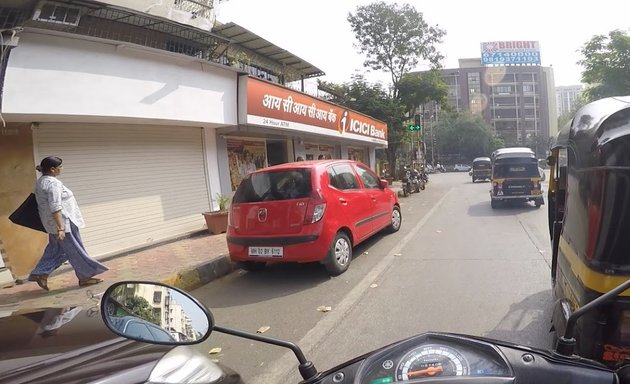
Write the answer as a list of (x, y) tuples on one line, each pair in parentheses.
[(528, 88), (157, 296), (530, 77), (474, 92), (503, 90)]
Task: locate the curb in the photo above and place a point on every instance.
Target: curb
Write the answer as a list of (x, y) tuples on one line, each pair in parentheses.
[(197, 276)]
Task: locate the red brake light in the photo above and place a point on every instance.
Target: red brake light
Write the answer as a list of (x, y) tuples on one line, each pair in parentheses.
[(316, 207)]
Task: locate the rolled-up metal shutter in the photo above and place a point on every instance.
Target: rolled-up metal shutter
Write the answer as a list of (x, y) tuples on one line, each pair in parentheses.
[(136, 185)]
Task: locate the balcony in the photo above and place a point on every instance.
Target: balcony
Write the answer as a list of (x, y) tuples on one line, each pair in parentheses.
[(198, 13), (504, 106)]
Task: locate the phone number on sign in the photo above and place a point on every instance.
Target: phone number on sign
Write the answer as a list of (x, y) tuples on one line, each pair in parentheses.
[(511, 57)]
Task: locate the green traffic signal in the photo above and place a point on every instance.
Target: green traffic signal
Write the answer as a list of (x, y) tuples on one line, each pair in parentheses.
[(412, 128)]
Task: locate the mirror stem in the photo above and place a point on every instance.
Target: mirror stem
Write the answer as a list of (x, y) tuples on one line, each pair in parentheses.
[(307, 369)]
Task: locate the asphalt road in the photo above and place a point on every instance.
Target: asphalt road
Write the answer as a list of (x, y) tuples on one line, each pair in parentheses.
[(455, 266)]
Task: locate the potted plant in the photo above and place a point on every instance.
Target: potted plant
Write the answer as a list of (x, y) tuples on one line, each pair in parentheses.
[(217, 220)]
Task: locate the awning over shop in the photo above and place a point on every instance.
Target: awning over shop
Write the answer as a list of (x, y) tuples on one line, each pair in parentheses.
[(256, 44)]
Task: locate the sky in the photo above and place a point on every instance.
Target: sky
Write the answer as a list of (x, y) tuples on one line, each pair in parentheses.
[(319, 33)]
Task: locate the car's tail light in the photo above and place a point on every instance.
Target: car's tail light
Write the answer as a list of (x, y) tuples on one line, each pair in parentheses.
[(498, 188), (316, 208), (232, 211)]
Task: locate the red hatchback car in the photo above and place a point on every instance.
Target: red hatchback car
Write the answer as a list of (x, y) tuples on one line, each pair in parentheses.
[(308, 211)]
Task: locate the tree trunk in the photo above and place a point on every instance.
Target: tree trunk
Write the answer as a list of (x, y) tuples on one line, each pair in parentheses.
[(391, 157)]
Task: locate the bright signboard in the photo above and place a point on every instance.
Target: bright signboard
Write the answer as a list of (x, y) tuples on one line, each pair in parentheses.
[(510, 52)]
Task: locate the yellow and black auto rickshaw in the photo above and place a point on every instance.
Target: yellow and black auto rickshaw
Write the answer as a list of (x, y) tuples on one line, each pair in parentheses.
[(589, 224), (515, 177), (481, 169)]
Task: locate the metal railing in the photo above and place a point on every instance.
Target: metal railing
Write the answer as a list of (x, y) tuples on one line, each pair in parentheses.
[(199, 8)]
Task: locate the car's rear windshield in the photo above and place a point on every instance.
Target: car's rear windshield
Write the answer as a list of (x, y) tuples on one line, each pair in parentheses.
[(516, 168), (274, 185)]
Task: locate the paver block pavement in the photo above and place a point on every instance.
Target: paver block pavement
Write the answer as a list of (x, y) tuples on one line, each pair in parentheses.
[(187, 264)]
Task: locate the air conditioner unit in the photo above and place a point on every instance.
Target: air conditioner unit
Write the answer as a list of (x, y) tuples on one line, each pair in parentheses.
[(57, 13)]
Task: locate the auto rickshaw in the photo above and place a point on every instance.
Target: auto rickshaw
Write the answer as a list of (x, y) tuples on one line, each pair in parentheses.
[(589, 225), (481, 169), (515, 177)]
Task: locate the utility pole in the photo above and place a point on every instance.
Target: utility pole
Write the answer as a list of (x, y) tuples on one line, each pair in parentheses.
[(432, 144), (435, 122)]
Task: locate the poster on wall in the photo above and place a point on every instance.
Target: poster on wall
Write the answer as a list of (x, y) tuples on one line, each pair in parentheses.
[(245, 156), (357, 154), (318, 151)]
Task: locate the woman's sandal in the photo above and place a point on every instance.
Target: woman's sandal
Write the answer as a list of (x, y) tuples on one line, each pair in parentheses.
[(41, 280), (90, 281)]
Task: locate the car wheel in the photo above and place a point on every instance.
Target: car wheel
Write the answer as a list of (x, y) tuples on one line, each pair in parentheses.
[(538, 203), (252, 266), (339, 255), (396, 220)]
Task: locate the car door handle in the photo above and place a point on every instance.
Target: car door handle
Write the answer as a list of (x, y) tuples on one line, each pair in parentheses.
[(373, 198), (343, 201)]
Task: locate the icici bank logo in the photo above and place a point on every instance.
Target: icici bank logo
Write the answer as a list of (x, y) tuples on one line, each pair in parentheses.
[(343, 123)]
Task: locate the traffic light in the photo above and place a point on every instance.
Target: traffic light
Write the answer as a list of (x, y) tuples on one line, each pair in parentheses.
[(417, 124)]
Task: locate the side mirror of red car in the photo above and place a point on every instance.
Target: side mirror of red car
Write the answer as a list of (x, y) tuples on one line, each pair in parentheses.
[(384, 183)]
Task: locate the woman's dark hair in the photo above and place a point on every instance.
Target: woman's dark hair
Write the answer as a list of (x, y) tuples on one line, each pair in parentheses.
[(48, 163)]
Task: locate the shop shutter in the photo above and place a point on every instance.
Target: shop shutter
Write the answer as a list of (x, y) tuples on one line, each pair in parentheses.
[(136, 185)]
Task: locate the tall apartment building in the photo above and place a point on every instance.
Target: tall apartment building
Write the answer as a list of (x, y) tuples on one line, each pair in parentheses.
[(516, 100), (566, 96)]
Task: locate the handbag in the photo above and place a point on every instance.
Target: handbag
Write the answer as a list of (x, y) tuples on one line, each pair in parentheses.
[(27, 214)]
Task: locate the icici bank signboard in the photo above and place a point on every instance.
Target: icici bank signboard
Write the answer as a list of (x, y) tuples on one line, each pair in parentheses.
[(275, 106)]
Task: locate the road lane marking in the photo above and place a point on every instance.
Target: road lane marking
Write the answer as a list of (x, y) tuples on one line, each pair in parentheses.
[(280, 370)]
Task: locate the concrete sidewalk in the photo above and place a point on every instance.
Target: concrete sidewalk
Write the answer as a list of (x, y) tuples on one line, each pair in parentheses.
[(187, 264)]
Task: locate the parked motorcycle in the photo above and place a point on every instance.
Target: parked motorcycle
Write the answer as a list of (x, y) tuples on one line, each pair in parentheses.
[(427, 358), (409, 183), (423, 178)]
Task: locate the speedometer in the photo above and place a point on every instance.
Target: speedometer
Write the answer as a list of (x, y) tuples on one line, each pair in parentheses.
[(432, 360)]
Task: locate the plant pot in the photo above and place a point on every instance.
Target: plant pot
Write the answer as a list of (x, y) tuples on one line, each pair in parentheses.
[(216, 221)]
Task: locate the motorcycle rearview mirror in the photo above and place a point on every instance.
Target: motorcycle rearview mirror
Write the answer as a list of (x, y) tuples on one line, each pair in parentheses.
[(155, 313), (567, 343), (160, 314)]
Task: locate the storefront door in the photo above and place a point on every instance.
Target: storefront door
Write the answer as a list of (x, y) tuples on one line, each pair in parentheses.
[(276, 152)]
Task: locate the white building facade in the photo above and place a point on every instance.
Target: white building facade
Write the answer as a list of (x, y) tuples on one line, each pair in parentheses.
[(566, 97), (148, 133)]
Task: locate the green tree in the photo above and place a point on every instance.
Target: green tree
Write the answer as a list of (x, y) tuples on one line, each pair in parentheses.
[(606, 65), (395, 38), (375, 101), (416, 89), (140, 307), (465, 136)]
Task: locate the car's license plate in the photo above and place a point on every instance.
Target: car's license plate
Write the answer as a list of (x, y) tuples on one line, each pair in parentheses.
[(266, 251)]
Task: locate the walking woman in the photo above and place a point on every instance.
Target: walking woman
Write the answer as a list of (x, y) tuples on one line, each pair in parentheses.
[(62, 219)]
